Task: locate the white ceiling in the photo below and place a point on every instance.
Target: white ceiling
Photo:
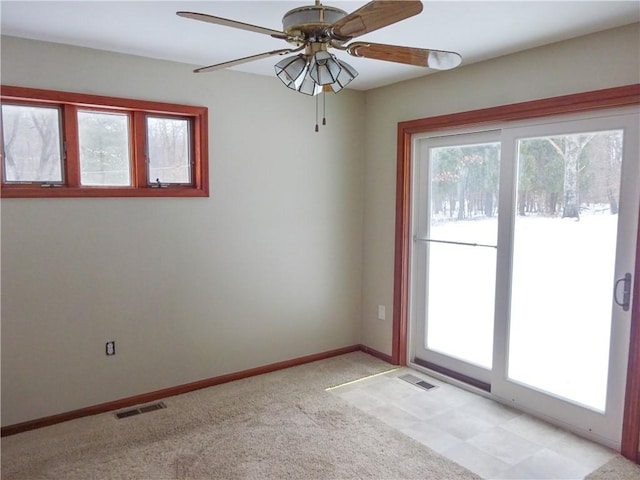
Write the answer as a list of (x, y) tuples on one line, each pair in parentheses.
[(478, 30)]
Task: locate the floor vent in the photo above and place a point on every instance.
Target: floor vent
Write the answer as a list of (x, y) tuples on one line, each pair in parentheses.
[(417, 381), (138, 410), (425, 385)]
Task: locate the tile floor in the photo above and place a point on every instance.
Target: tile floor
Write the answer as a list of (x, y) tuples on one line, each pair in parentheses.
[(490, 439)]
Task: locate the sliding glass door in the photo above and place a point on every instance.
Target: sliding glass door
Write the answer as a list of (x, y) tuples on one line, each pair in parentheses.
[(456, 241), (569, 237), (517, 295)]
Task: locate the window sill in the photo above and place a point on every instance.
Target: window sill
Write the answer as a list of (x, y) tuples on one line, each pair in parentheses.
[(83, 192)]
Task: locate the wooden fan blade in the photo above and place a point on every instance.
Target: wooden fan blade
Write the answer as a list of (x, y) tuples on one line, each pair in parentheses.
[(203, 17), (374, 15), (239, 61), (436, 59)]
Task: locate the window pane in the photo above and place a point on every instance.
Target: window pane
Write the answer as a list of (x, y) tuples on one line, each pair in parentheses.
[(104, 149), (563, 264), (169, 151), (462, 236), (32, 144), (460, 308), (464, 193)]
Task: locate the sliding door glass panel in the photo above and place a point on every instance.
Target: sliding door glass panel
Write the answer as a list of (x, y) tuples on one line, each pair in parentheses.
[(461, 243), (564, 251), (461, 302)]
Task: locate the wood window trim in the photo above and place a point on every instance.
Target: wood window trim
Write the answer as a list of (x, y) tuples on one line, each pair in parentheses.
[(70, 103), (581, 102)]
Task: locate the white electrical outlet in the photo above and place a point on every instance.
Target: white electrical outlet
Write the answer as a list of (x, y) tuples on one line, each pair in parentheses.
[(382, 313), (110, 348)]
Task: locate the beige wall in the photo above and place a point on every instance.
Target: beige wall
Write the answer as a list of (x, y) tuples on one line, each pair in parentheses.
[(289, 256), (267, 269), (607, 59)]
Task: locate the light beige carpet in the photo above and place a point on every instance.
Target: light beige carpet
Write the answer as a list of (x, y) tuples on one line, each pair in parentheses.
[(282, 425), (618, 468)]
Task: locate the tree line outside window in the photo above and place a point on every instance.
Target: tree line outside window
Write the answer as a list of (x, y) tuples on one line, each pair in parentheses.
[(559, 176)]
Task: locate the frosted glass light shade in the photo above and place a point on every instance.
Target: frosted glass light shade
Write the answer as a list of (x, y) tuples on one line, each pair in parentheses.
[(347, 73), (292, 70), (309, 86), (324, 68), (311, 74)]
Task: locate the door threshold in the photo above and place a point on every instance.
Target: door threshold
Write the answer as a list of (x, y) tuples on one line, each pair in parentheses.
[(453, 374)]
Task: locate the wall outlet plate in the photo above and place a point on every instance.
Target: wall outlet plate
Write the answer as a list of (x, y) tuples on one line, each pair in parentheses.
[(382, 314), (110, 348)]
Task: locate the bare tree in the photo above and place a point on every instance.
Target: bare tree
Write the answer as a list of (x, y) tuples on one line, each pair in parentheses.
[(570, 147), (31, 143), (10, 128), (46, 126)]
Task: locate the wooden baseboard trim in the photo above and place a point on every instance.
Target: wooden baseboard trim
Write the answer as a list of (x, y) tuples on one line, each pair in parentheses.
[(178, 390), (377, 354)]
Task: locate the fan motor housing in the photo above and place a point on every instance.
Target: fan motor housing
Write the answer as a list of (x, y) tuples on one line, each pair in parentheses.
[(310, 23)]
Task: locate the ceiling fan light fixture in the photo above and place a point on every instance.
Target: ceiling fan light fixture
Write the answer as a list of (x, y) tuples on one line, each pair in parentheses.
[(324, 68), (292, 70), (306, 74), (309, 86), (347, 73)]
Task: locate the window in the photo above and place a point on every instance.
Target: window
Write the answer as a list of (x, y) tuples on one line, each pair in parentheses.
[(32, 144), (59, 144), (105, 156), (168, 150)]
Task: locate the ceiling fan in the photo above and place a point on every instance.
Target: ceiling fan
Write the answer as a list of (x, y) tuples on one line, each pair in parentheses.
[(314, 29)]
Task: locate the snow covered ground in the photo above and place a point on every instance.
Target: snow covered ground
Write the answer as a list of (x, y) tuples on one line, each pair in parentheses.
[(561, 302)]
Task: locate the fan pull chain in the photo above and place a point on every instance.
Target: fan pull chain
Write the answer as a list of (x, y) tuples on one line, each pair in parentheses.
[(317, 128), (324, 108)]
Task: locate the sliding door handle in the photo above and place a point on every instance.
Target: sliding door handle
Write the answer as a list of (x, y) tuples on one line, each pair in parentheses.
[(626, 291)]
